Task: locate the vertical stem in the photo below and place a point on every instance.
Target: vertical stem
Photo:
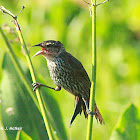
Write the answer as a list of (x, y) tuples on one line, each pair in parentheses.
[(93, 82), (15, 61), (47, 125), (41, 107)]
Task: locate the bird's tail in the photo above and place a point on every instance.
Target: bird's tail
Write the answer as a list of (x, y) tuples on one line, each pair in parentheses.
[(98, 115), (80, 105)]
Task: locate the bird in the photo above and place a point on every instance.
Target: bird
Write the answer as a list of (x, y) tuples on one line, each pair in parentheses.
[(68, 73)]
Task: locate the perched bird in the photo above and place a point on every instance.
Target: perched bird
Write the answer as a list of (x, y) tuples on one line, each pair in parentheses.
[(67, 72)]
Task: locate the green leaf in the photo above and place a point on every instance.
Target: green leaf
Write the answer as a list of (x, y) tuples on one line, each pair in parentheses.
[(21, 135), (129, 126), (18, 109)]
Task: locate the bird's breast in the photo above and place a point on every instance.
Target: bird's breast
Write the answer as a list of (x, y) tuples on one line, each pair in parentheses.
[(57, 71), (63, 76)]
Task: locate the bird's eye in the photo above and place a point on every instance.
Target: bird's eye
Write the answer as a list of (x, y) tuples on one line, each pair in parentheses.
[(49, 45)]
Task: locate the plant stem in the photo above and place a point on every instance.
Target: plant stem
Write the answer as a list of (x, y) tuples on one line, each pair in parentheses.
[(93, 82), (47, 125)]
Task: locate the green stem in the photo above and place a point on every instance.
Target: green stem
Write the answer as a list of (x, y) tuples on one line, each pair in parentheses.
[(47, 125), (20, 72), (93, 82)]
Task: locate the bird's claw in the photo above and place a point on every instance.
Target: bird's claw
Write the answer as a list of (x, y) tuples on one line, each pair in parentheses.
[(35, 86), (91, 113)]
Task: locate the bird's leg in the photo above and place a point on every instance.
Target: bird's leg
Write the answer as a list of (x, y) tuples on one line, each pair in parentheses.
[(89, 112), (38, 85)]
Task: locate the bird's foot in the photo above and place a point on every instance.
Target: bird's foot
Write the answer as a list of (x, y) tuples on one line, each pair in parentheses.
[(91, 113), (35, 86)]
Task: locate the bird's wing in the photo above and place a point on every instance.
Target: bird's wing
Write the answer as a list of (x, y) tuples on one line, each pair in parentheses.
[(79, 72)]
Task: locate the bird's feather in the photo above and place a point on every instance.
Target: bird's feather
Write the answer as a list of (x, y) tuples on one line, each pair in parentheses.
[(78, 71)]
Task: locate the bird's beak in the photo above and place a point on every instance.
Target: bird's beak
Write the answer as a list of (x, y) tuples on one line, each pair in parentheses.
[(37, 45), (39, 52)]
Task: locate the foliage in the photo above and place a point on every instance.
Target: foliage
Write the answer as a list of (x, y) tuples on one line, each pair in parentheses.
[(21, 135), (129, 126), (118, 55), (19, 109)]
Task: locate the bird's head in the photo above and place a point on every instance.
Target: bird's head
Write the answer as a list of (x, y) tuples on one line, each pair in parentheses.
[(50, 49)]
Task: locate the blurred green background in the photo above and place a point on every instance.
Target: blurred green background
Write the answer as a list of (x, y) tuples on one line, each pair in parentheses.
[(69, 21)]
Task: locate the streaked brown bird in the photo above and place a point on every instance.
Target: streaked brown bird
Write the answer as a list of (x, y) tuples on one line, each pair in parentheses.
[(67, 72)]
